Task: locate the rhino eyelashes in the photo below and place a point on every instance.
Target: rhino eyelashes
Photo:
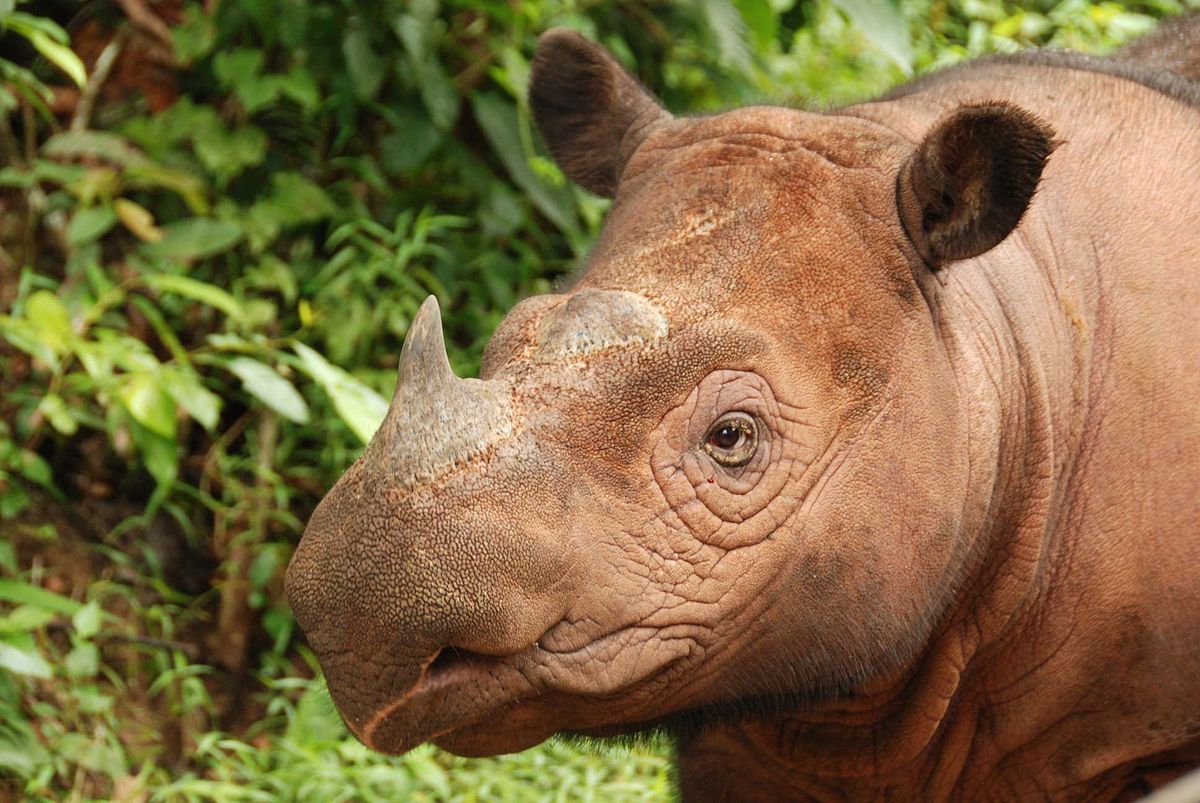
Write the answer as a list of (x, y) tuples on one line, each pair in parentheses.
[(436, 421)]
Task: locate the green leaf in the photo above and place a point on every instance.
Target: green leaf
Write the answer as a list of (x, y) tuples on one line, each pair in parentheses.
[(410, 143), (438, 93), (20, 751), (195, 238), (34, 468), (91, 700), (159, 454), (46, 312), (363, 64), (83, 661), (98, 144), (149, 404), (26, 619), (89, 225), (27, 338), (729, 29), (13, 498), (761, 22), (126, 352), (265, 384), (197, 290), (417, 33), (263, 568), (239, 70), (27, 594), (87, 620), (60, 56), (227, 153), (190, 394), (238, 64), (300, 86), (90, 753), (258, 92), (186, 185), (194, 37), (358, 405), (316, 722), (883, 24), (24, 662), (295, 200), (498, 118)]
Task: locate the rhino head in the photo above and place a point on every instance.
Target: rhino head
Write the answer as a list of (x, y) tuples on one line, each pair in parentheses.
[(726, 472)]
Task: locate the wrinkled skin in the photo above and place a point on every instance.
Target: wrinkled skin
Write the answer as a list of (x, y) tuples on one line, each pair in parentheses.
[(956, 562)]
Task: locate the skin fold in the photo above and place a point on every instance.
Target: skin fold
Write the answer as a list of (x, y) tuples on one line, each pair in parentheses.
[(864, 455)]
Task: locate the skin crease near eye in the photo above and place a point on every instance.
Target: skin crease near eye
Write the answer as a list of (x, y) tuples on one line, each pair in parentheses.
[(734, 496)]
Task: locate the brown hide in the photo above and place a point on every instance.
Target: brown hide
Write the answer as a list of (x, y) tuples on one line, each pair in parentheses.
[(864, 455)]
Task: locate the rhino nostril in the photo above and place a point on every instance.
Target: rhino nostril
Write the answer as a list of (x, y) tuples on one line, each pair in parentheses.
[(451, 658)]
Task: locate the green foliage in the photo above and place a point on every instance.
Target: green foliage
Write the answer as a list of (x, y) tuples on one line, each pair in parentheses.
[(49, 39), (201, 310)]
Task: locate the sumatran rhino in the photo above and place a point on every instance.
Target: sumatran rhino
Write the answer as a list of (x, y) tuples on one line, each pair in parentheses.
[(863, 455)]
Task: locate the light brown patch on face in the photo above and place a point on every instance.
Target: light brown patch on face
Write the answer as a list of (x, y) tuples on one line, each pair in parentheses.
[(593, 320)]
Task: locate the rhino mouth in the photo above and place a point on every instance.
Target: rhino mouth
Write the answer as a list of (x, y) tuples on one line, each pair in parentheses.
[(474, 704)]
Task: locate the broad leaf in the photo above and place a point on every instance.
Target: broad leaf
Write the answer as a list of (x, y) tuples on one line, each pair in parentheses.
[(49, 317), (138, 219), (159, 454), (190, 394), (195, 238), (89, 225), (265, 384), (358, 405), (99, 144), (729, 29), (24, 662), (883, 24), (87, 620), (363, 64), (498, 119), (26, 594), (148, 403), (197, 290)]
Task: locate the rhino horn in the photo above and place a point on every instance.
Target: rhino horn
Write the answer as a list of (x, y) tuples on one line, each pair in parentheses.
[(425, 370), (436, 421)]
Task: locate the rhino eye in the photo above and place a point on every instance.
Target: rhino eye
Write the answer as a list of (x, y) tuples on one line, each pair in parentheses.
[(732, 440)]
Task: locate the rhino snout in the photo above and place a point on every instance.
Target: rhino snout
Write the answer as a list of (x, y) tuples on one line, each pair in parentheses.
[(398, 591)]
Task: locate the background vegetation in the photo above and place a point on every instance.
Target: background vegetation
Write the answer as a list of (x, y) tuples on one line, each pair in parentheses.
[(216, 221)]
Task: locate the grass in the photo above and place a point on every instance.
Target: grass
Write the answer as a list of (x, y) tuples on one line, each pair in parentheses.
[(311, 757)]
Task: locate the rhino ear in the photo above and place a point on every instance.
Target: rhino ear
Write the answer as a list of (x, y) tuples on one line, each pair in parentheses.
[(591, 113), (971, 179)]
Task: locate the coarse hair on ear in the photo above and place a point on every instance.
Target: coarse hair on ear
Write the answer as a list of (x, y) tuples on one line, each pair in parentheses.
[(590, 112), (969, 182)]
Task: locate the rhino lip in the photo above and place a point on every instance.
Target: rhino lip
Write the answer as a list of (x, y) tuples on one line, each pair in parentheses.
[(422, 712), (458, 689)]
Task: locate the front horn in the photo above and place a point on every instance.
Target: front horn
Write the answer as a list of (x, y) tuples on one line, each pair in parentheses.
[(436, 422)]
